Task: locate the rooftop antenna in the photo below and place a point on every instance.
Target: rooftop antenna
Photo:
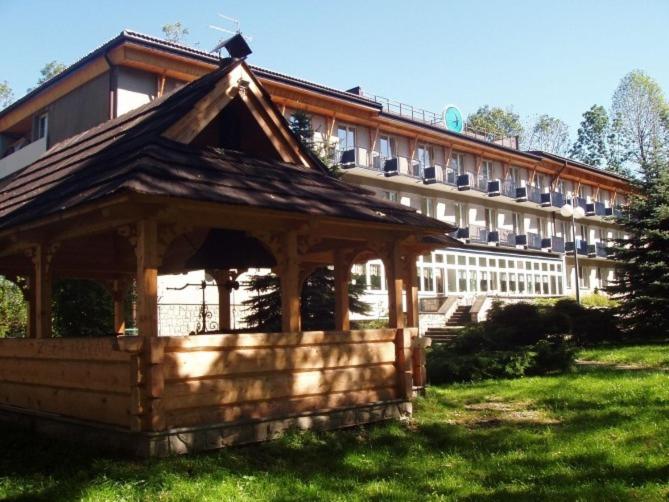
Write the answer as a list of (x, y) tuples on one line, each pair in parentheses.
[(236, 45)]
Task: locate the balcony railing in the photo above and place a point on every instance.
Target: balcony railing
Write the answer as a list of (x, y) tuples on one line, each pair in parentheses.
[(481, 184), (464, 181), (450, 177), (555, 199), (554, 244), (579, 202), (494, 188), (595, 209), (506, 238), (615, 211), (344, 158), (533, 241), (602, 250), (473, 234), (509, 189), (581, 247), (534, 195)]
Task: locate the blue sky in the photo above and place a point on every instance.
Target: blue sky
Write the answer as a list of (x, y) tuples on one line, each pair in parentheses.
[(556, 57)]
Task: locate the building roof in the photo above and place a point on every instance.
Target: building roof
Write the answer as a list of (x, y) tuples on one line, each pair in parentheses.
[(183, 50), (129, 154)]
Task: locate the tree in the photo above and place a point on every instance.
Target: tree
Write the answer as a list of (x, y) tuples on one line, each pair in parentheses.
[(317, 301), (642, 282), (495, 121), (175, 32), (50, 70), (300, 124), (548, 134), (13, 311), (81, 308), (6, 94), (641, 117), (591, 145)]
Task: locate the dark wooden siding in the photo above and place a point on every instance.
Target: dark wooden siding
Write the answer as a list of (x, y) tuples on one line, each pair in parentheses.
[(81, 109)]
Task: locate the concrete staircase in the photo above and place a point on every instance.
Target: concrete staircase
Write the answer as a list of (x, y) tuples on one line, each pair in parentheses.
[(460, 317)]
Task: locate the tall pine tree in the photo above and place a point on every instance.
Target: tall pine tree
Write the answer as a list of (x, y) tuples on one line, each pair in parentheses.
[(642, 282), (317, 302)]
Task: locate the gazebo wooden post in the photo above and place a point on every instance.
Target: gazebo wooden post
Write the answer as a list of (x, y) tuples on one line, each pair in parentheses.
[(41, 293), (411, 284), (394, 273), (289, 273), (147, 278), (222, 277), (342, 273), (151, 359), (118, 296)]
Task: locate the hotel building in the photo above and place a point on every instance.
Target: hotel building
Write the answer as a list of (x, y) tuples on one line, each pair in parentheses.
[(513, 242)]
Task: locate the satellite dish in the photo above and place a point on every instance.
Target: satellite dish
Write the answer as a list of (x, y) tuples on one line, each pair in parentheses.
[(453, 119)]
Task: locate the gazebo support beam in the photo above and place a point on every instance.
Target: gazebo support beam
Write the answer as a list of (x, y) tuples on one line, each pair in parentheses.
[(147, 278), (394, 273), (411, 284), (41, 293), (342, 272), (290, 283)]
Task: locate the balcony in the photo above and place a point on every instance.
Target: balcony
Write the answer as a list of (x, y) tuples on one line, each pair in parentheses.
[(464, 182), (494, 188), (345, 159), (553, 244), (450, 178), (581, 247), (534, 195), (21, 158), (554, 199), (481, 184), (506, 238), (615, 211), (473, 234), (509, 189), (595, 209), (602, 250), (579, 202), (529, 240)]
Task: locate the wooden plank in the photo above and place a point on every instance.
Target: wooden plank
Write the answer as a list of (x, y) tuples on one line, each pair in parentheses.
[(180, 365), (261, 387), (107, 408), (108, 377), (75, 349), (277, 408), (248, 340)]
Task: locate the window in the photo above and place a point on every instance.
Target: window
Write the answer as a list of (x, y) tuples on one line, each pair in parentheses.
[(460, 215), (346, 137), (439, 280), (462, 281), (423, 157), (450, 274), (427, 207), (374, 276), (386, 147), (391, 196), (491, 219), (518, 226), (41, 126), (458, 163), (486, 170)]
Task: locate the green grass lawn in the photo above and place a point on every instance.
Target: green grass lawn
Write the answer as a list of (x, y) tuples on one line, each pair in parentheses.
[(595, 434), (645, 356)]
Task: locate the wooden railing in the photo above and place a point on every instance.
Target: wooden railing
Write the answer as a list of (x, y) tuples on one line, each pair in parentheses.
[(166, 382), (86, 379)]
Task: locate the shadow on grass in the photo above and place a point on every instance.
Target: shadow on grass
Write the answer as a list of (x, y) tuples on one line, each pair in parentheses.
[(432, 457)]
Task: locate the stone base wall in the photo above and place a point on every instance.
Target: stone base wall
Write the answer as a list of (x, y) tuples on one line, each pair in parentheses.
[(202, 438)]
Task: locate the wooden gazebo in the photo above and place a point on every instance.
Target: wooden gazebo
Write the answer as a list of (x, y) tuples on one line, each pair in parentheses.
[(208, 176)]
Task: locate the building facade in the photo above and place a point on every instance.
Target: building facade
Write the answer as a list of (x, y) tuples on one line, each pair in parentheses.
[(505, 202)]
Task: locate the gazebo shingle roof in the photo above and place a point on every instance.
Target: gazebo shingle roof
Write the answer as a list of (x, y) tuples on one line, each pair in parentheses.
[(128, 154)]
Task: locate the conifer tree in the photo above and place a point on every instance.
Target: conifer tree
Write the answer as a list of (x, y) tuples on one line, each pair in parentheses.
[(317, 302), (642, 282)]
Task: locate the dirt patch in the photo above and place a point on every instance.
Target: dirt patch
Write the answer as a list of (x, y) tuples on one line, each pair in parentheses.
[(584, 363), (495, 413)]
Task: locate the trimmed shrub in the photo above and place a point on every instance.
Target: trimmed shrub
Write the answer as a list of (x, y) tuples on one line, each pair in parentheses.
[(553, 354)]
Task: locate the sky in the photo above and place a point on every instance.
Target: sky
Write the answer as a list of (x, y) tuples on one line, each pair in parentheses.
[(536, 57)]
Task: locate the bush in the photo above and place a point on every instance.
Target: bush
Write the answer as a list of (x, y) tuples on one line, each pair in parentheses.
[(553, 354), (597, 300), (369, 324), (13, 310), (81, 308)]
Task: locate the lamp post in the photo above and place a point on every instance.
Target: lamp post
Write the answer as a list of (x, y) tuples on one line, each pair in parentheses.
[(569, 211)]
